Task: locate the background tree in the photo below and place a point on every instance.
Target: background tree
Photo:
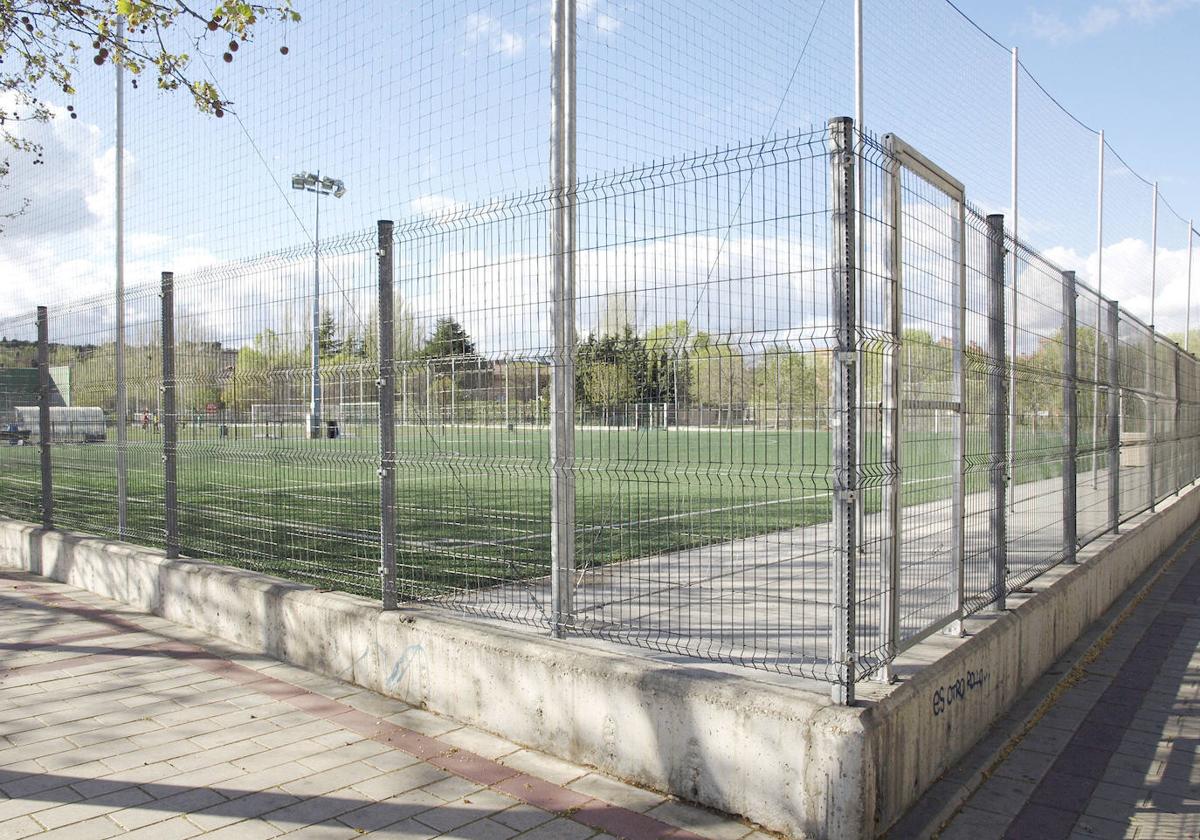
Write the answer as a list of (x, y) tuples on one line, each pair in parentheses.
[(452, 359), (718, 373), (41, 44), (448, 339), (328, 342)]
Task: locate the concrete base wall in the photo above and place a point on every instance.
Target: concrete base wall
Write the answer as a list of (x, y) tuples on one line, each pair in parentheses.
[(927, 722), (776, 751)]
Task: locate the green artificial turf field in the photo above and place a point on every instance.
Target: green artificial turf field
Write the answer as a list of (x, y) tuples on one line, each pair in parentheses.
[(473, 502)]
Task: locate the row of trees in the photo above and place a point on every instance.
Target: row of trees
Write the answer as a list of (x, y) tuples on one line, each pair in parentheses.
[(670, 364)]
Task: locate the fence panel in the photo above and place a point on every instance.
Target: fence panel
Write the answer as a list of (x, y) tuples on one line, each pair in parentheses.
[(1036, 336), (1166, 429), (729, 506), (710, 538), (473, 347), (20, 475), (255, 488), (931, 247), (84, 430), (986, 463), (1135, 344), (1092, 458)]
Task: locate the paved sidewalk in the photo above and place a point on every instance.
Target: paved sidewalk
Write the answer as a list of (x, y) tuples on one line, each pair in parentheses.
[(1116, 755), (115, 723)]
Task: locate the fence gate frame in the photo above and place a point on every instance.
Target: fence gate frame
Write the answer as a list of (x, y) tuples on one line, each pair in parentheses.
[(903, 156)]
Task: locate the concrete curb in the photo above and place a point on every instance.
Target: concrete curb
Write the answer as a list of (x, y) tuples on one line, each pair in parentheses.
[(772, 749), (947, 796)]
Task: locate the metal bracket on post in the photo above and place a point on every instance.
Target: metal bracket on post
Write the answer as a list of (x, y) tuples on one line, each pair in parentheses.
[(170, 441), (845, 432), (1070, 417), (1114, 419), (997, 411), (45, 430), (562, 313), (387, 420)]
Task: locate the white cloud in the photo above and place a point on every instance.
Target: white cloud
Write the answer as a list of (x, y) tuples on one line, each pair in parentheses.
[(434, 206), (1101, 17), (485, 30), (1127, 279), (63, 247)]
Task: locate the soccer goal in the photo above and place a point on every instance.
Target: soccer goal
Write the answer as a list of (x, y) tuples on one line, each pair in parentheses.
[(279, 420)]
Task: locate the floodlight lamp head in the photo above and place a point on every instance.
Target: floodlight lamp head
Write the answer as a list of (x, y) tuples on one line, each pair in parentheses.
[(339, 189), (304, 180)]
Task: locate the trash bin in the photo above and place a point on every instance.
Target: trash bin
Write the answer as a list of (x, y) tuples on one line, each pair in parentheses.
[(224, 430), (331, 429)]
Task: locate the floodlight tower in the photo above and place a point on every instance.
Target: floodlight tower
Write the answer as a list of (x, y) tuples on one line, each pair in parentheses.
[(309, 182)]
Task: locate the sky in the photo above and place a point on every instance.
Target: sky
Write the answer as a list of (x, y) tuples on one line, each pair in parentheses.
[(427, 108), (1126, 66)]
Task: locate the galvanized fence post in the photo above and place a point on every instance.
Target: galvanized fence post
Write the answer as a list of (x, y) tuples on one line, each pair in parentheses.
[(1070, 419), (997, 411), (387, 420), (562, 313), (45, 430), (845, 428), (1176, 438), (892, 416), (1152, 417), (170, 441), (959, 483), (1114, 418)]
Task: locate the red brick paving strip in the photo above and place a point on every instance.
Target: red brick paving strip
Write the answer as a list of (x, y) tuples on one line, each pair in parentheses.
[(540, 793)]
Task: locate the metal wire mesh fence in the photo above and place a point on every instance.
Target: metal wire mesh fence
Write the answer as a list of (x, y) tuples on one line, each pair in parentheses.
[(791, 402), (19, 398), (807, 431)]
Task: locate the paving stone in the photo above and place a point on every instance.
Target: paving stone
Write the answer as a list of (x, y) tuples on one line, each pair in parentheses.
[(484, 829), (317, 784), (408, 829), (314, 809), (523, 817), (559, 829), (18, 827), (544, 766), (699, 820), (451, 788), (169, 749)]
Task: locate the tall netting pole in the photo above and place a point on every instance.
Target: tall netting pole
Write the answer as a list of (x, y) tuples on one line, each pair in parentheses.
[(1099, 313), (45, 430), (997, 411), (1187, 329), (1070, 417), (170, 443), (562, 371), (1014, 150), (387, 419), (845, 431), (121, 408)]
